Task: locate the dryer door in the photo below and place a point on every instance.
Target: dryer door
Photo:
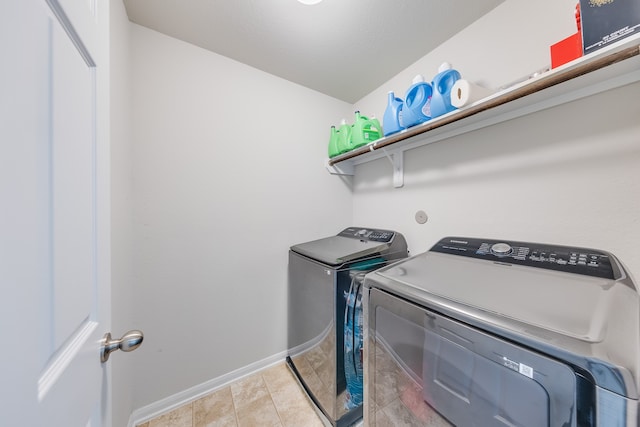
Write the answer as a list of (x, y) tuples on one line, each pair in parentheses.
[(427, 369)]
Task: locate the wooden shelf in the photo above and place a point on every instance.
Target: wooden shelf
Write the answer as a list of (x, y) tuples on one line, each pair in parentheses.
[(608, 68)]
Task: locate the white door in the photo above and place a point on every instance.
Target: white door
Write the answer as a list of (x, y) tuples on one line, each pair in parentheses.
[(54, 212)]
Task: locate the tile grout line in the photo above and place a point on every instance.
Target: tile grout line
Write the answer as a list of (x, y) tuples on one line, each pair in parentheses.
[(266, 384), (233, 404)]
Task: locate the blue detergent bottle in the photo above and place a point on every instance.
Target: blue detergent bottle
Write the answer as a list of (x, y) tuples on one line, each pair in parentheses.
[(442, 84), (392, 121), (417, 103)]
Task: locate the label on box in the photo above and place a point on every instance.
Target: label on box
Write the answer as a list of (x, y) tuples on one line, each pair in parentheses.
[(606, 21)]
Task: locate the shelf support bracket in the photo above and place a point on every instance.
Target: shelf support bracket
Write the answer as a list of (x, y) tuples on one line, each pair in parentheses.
[(340, 169), (397, 162)]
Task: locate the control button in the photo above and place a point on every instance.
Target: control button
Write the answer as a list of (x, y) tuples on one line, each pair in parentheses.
[(501, 249)]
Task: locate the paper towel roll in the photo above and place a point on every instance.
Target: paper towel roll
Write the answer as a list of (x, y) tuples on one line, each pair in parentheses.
[(464, 93)]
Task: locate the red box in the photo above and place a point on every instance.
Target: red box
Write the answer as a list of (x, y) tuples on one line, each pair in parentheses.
[(566, 50)]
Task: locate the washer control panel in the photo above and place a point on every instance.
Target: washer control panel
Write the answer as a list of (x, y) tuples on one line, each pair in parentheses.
[(576, 260), (369, 234)]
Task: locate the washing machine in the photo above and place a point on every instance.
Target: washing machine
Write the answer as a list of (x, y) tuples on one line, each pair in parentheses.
[(483, 332), (325, 326)]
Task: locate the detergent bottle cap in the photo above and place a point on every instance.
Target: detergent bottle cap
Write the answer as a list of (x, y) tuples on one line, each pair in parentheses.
[(418, 79), (444, 67)]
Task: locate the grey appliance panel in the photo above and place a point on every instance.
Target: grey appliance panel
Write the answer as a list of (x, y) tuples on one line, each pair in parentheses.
[(309, 281), (423, 368), (312, 330)]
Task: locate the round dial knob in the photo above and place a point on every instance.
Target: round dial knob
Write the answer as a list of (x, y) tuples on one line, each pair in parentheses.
[(501, 249)]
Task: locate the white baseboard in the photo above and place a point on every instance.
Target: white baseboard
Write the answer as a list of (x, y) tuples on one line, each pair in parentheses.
[(146, 413)]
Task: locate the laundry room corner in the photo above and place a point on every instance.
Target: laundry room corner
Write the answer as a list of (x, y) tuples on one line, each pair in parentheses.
[(122, 256), (228, 173)]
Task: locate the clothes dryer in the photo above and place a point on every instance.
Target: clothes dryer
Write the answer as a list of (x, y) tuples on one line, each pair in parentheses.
[(483, 332), (325, 281)]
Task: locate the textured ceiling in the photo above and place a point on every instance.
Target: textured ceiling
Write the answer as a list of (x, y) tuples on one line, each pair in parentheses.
[(343, 48)]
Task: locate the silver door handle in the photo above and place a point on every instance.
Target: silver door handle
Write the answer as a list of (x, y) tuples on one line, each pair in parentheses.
[(129, 342)]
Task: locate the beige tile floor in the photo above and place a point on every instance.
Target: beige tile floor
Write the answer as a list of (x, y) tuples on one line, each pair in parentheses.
[(269, 398)]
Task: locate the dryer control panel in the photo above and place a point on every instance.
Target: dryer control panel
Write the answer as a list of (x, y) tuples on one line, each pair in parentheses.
[(590, 262), (370, 234)]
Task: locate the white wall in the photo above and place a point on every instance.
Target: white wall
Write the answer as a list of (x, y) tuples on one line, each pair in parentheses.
[(228, 173), (122, 365), (567, 175)]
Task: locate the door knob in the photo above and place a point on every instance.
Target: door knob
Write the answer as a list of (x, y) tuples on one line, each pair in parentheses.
[(129, 342)]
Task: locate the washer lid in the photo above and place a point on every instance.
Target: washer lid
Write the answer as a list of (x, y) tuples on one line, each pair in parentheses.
[(337, 250), (353, 243), (569, 304)]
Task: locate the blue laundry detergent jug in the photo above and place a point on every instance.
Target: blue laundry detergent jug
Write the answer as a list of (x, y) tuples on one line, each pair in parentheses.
[(441, 85), (417, 102), (392, 121)]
